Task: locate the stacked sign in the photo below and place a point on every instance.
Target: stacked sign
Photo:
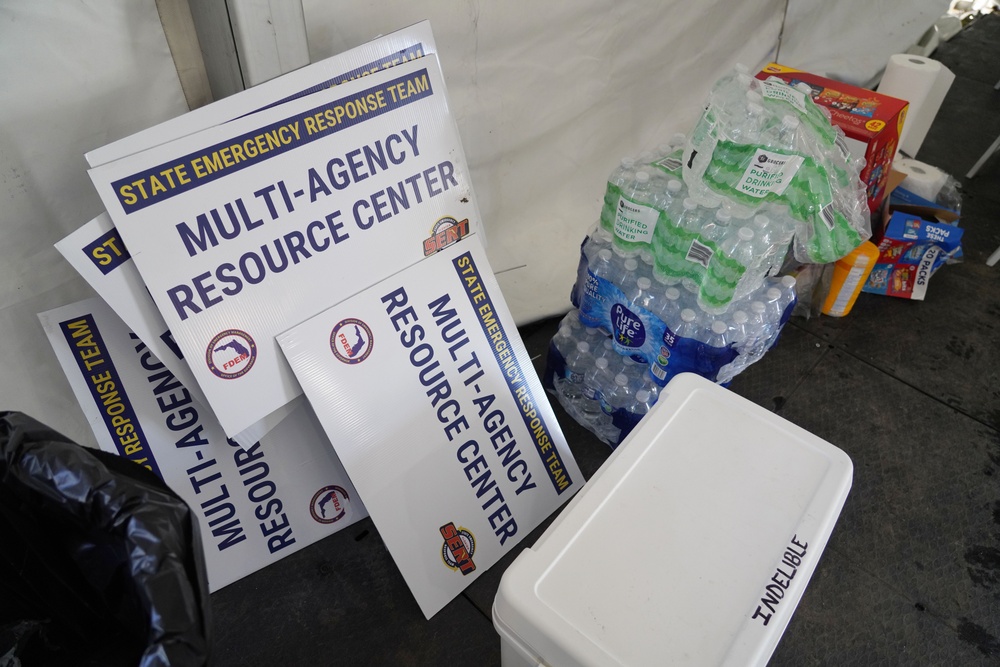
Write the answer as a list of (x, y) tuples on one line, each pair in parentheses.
[(319, 194)]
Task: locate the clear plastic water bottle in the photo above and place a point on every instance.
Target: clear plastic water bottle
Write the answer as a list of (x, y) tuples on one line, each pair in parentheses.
[(636, 216), (788, 296), (718, 228), (718, 334), (595, 383), (618, 179), (646, 264), (640, 405), (773, 304), (738, 328), (758, 327), (739, 247), (690, 219), (617, 397), (578, 364), (642, 294), (689, 326), (629, 274)]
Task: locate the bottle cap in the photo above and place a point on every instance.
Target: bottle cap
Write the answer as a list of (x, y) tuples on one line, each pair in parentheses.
[(773, 293), (641, 396), (803, 87), (643, 283), (674, 186), (642, 176), (583, 346), (689, 315), (601, 363), (608, 345), (761, 220), (628, 162), (745, 234), (791, 122), (631, 264), (604, 254), (788, 281), (719, 327), (722, 216), (758, 307), (646, 256), (739, 317), (663, 148), (690, 204), (593, 331), (621, 379), (754, 108), (672, 293)]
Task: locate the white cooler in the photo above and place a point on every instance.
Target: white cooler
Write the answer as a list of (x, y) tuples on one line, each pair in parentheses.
[(692, 545)]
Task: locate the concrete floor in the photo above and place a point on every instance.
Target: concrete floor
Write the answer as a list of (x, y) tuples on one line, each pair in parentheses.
[(910, 390)]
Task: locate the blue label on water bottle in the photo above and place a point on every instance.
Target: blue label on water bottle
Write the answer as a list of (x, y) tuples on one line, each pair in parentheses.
[(687, 355), (628, 330), (594, 303)]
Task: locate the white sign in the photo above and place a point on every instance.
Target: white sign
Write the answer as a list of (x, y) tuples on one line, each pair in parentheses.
[(98, 253), (434, 407), (398, 47), (248, 228), (254, 505)]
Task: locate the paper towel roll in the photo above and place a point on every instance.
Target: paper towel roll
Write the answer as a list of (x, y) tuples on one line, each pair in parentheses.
[(923, 83), (922, 179)]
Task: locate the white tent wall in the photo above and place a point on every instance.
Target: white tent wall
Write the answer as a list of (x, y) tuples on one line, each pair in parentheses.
[(852, 40), (550, 96), (75, 76)]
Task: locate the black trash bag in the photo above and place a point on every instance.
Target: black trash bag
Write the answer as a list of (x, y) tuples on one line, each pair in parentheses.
[(100, 562)]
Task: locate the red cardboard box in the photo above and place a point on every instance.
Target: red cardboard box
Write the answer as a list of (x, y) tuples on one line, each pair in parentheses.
[(871, 121)]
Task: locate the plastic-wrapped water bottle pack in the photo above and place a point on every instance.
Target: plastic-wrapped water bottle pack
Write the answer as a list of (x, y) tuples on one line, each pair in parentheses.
[(681, 272), (764, 146), (633, 330)]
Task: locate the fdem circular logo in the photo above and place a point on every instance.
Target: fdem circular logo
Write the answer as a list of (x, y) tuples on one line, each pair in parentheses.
[(231, 354), (329, 504), (351, 341)]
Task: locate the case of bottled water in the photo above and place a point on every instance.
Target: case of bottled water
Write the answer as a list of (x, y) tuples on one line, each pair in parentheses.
[(680, 274)]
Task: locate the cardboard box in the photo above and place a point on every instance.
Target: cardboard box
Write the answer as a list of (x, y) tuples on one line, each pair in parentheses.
[(872, 122), (910, 252)]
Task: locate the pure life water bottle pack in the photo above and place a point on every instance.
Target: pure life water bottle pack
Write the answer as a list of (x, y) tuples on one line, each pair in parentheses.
[(680, 274)]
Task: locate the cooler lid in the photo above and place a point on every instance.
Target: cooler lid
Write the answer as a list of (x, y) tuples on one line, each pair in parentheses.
[(691, 545)]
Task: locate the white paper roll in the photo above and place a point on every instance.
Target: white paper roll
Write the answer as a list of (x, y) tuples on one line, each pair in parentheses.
[(923, 83), (922, 179)]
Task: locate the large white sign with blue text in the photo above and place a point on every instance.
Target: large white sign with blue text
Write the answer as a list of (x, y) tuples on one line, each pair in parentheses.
[(248, 228), (254, 505), (424, 387)]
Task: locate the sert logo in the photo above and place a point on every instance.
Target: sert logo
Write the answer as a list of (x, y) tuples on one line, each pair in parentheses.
[(459, 546), (351, 341), (231, 354), (445, 232), (762, 159), (329, 504)]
